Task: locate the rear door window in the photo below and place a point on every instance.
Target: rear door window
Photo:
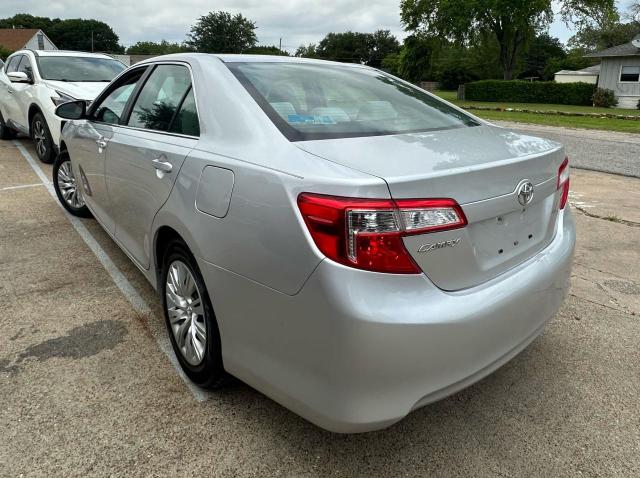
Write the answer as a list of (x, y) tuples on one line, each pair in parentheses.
[(160, 97), (186, 120)]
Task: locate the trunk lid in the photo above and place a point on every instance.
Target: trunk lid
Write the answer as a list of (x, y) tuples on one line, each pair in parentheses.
[(482, 168)]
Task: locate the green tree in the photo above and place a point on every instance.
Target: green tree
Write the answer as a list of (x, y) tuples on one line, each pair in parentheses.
[(84, 35), (539, 51), (4, 53), (348, 47), (391, 63), (71, 34), (154, 48), (221, 32), (24, 20), (595, 38), (416, 56), (381, 44), (353, 47), (512, 22), (266, 50), (307, 51)]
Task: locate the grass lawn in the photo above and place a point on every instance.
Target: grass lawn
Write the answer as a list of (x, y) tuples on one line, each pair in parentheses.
[(609, 124)]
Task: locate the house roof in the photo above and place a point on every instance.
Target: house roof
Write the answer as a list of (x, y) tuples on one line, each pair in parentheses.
[(16, 38), (588, 71), (626, 49)]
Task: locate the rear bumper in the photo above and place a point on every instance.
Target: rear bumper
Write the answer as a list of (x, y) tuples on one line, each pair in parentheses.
[(355, 351)]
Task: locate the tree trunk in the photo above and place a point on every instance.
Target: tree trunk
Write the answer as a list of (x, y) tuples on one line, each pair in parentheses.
[(510, 39)]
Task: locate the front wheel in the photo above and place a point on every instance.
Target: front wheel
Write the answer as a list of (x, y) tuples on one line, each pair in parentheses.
[(42, 138), (67, 187), (190, 319)]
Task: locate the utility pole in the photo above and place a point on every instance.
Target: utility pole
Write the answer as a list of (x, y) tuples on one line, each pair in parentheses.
[(91, 41), (280, 47)]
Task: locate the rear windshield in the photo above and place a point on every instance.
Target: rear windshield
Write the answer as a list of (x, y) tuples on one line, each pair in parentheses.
[(78, 68), (313, 101)]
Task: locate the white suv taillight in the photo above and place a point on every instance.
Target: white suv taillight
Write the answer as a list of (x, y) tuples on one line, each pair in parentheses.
[(563, 182), (367, 233)]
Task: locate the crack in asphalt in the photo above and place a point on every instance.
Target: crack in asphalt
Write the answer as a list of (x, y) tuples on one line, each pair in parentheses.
[(605, 218)]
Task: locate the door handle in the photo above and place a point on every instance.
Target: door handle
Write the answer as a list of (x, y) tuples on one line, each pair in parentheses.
[(102, 143), (160, 165), (10, 91)]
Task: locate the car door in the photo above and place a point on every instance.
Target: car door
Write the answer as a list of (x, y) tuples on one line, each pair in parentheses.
[(23, 93), (89, 146), (9, 99), (145, 155)]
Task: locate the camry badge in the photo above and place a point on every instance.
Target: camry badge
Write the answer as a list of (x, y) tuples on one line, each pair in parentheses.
[(438, 245), (525, 192)]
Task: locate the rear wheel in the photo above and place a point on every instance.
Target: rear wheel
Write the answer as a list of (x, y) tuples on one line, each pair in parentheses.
[(42, 138), (5, 131), (67, 188), (190, 319)]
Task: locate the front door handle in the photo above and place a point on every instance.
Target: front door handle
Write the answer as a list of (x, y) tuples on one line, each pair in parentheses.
[(162, 166), (102, 143)]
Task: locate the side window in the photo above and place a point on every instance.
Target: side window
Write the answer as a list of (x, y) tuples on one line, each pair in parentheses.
[(186, 120), (12, 65), (112, 106), (160, 97), (630, 73), (25, 66)]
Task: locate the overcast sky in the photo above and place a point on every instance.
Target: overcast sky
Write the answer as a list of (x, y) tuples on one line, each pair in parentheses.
[(295, 21)]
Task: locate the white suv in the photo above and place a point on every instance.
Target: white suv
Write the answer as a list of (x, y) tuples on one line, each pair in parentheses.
[(34, 83)]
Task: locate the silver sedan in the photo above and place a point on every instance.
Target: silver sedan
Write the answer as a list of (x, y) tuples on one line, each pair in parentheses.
[(344, 242)]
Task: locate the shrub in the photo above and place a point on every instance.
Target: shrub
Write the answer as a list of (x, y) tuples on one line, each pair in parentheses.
[(604, 98), (518, 91), (638, 105)]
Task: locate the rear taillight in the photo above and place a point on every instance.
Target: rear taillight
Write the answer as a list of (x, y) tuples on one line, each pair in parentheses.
[(563, 182), (367, 233)]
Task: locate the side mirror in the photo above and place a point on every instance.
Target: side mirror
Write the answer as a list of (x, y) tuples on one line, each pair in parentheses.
[(18, 77), (73, 110)]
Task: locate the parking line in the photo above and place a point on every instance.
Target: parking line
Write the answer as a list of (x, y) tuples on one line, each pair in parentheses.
[(131, 294), (22, 186)]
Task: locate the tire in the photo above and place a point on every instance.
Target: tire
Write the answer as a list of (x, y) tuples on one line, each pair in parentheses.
[(5, 131), (67, 187), (42, 139), (186, 323)]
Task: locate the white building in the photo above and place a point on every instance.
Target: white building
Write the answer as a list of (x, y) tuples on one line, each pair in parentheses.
[(620, 72), (586, 75)]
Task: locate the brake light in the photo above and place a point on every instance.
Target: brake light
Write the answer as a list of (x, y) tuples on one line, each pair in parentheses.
[(367, 233), (563, 182)]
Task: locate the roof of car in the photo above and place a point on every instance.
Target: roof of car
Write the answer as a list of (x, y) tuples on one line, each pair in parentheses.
[(69, 53), (239, 58)]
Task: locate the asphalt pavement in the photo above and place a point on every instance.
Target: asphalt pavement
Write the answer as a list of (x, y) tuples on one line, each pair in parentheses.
[(87, 387), (606, 151)]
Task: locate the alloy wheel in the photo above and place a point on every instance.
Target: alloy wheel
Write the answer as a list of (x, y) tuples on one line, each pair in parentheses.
[(68, 186), (186, 313), (40, 137)]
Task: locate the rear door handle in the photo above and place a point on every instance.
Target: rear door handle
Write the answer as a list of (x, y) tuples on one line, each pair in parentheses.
[(161, 165)]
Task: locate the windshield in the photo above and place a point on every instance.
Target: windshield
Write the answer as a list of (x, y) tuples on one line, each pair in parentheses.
[(313, 101), (78, 68)]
